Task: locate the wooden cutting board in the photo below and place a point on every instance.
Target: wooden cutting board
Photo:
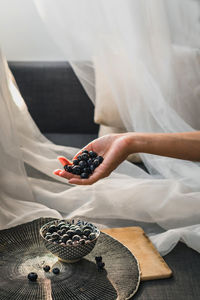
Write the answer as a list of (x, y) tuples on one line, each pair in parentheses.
[(152, 265)]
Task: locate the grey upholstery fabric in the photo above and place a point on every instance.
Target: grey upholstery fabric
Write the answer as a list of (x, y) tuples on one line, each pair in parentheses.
[(71, 139), (61, 109), (55, 97)]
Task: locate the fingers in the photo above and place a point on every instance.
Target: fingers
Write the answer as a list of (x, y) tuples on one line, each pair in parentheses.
[(74, 179), (64, 161), (79, 181), (64, 174), (57, 172)]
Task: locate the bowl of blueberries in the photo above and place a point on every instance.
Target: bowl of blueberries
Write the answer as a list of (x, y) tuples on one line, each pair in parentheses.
[(69, 240)]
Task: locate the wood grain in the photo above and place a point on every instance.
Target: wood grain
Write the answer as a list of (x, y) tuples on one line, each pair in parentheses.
[(152, 265)]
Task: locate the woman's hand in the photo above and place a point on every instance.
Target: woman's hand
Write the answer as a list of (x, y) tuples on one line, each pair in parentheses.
[(114, 149)]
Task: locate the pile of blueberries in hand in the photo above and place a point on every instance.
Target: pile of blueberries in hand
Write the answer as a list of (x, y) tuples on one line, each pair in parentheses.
[(85, 164), (71, 234)]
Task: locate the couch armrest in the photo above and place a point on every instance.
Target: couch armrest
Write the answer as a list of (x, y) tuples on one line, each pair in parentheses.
[(55, 97)]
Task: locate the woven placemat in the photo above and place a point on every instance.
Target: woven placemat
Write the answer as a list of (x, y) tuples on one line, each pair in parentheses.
[(22, 251)]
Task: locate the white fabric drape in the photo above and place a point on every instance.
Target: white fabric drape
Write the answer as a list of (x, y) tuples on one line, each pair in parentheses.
[(158, 92)]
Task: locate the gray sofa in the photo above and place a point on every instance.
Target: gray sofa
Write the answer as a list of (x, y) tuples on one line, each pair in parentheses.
[(64, 113)]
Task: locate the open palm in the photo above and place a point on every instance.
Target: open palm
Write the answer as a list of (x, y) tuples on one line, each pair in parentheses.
[(114, 150)]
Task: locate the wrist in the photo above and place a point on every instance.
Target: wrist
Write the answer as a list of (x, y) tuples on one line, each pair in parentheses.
[(136, 142)]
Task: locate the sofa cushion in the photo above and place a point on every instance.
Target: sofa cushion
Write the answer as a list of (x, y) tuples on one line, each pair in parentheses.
[(55, 97), (71, 139)]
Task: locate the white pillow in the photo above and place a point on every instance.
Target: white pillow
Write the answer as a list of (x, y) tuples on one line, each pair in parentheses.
[(106, 111)]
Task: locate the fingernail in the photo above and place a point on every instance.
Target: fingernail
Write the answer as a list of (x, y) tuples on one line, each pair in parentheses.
[(56, 172), (61, 173)]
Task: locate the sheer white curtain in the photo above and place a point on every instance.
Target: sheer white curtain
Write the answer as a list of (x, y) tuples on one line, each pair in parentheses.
[(148, 53)]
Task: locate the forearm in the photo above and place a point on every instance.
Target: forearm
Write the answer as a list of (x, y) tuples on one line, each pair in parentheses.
[(184, 145)]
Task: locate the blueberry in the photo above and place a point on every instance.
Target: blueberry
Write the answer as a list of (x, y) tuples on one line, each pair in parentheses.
[(63, 231), (75, 243), (98, 258), (92, 236), (76, 170), (76, 238), (82, 242), (59, 232), (100, 265), (70, 233), (47, 233), (100, 159), (96, 163), (63, 227), (46, 268), (75, 161), (88, 226), (92, 154), (76, 226), (89, 162), (85, 151), (82, 164), (84, 175), (52, 229), (63, 244), (56, 271), (55, 236), (68, 168), (65, 238), (86, 170), (69, 242), (79, 158), (92, 168), (73, 227), (48, 237), (87, 232), (78, 231), (85, 156), (32, 276), (60, 224)]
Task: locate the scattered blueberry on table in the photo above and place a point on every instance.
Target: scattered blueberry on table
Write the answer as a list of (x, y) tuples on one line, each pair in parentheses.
[(99, 263), (85, 164), (56, 271), (46, 268), (98, 259), (32, 276)]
